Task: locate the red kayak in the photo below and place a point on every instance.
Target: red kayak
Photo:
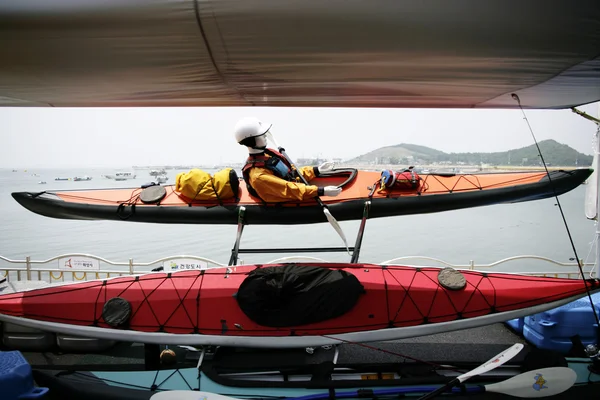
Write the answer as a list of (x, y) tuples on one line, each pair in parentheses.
[(287, 305)]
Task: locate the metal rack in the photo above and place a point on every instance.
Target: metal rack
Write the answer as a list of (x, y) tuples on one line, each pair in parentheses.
[(353, 250)]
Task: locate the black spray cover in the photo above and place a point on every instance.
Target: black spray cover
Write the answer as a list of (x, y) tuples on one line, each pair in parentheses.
[(292, 295)]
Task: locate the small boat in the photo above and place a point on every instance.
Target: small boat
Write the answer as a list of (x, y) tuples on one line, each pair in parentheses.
[(62, 179), (436, 192), (158, 172), (82, 178), (287, 305), (161, 179), (42, 182), (121, 176)]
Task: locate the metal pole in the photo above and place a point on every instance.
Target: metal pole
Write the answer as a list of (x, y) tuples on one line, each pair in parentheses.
[(28, 260), (240, 229), (361, 231)]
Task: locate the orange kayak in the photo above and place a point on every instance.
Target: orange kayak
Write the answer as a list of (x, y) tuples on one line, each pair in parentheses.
[(435, 193)]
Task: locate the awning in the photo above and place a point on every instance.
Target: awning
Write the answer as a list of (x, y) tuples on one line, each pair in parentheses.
[(299, 53)]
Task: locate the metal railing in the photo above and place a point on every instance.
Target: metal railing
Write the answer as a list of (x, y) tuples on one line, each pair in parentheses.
[(28, 269), (572, 272)]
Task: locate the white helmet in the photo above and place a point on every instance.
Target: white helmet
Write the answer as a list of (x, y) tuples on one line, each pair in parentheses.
[(249, 127)]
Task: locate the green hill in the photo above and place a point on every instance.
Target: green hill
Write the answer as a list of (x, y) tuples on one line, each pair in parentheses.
[(554, 154)]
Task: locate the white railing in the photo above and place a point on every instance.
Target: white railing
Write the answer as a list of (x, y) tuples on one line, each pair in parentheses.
[(562, 269), (29, 269), (40, 270)]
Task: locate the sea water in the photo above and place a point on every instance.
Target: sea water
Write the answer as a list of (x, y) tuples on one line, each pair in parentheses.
[(482, 234)]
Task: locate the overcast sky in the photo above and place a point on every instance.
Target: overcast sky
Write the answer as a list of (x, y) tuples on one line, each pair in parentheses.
[(109, 137)]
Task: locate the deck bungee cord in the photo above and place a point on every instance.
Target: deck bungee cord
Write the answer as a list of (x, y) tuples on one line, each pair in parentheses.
[(131, 202), (562, 214)]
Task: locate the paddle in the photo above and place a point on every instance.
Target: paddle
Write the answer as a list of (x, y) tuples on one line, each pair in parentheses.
[(328, 215), (538, 383), (532, 384), (489, 365)]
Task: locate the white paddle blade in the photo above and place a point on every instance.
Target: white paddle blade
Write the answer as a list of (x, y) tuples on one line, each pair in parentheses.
[(189, 395), (537, 383), (336, 226), (494, 362)]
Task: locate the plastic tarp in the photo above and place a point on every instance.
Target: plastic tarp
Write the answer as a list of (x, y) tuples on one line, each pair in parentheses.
[(335, 53)]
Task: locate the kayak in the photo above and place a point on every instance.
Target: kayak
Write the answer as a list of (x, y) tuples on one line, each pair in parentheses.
[(321, 381), (323, 373), (435, 193), (287, 305)]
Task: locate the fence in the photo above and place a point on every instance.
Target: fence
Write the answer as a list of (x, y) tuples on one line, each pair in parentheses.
[(79, 266)]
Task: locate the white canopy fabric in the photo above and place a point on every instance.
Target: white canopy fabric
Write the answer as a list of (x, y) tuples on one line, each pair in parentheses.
[(300, 53)]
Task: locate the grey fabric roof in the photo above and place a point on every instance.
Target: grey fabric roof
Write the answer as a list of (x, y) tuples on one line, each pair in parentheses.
[(334, 53)]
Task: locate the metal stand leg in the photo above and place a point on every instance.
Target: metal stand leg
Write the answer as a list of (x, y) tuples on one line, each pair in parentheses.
[(335, 347), (355, 251), (199, 366), (151, 356), (361, 231), (336, 354), (236, 247)]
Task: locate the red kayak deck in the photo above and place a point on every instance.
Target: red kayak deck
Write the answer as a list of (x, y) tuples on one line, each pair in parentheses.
[(207, 302)]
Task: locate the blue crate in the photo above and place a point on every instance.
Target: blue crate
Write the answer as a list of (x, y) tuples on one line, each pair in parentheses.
[(516, 324), (16, 381), (553, 329)]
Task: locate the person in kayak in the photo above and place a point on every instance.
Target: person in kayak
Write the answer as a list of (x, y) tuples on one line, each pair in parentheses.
[(268, 174)]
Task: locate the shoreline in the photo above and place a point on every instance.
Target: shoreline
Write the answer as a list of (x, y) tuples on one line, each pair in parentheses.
[(456, 168)]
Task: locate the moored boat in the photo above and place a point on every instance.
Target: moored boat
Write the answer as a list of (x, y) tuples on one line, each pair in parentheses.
[(287, 305), (121, 176), (433, 193), (157, 172)]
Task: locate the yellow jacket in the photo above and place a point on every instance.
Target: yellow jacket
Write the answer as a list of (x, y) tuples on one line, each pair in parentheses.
[(272, 188)]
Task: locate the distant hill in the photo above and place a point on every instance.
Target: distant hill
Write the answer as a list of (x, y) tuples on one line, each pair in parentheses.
[(554, 154)]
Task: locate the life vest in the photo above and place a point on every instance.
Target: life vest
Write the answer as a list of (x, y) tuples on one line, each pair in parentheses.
[(274, 162)]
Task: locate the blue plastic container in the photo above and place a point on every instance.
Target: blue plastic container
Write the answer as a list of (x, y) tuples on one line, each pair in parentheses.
[(516, 324), (16, 381), (553, 329)]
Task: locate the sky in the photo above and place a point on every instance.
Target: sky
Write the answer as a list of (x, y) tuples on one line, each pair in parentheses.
[(124, 137)]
